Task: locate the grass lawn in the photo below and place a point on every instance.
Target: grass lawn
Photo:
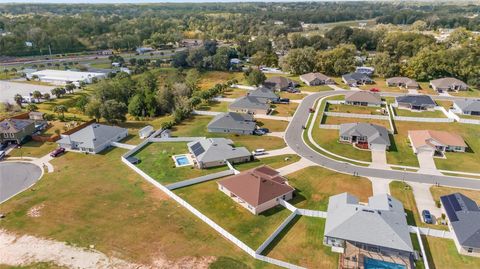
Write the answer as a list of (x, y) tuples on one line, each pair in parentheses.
[(341, 120), (114, 209), (33, 149), (210, 78), (197, 126), (301, 243), (471, 92), (274, 162), (401, 153), (249, 228), (156, 161), (403, 192), (440, 191), (214, 106), (273, 125), (314, 185), (234, 93), (381, 84), (354, 109), (423, 114), (444, 255), (284, 110)]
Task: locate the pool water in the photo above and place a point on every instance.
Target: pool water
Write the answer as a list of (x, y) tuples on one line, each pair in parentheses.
[(377, 264), (181, 160)]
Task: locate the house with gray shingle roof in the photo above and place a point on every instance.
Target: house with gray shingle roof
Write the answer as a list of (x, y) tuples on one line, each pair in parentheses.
[(463, 215), (315, 79), (232, 122), (467, 106), (249, 104), (211, 152), (365, 135), (355, 79), (448, 84), (379, 226), (93, 138), (16, 130), (264, 94)]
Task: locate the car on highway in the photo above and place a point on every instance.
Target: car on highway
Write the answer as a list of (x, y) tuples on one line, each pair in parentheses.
[(427, 217), (57, 152)]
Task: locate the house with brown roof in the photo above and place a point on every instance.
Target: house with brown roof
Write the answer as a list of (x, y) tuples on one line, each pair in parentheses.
[(435, 142), (16, 130), (363, 98), (257, 189), (315, 79), (403, 82), (448, 84)]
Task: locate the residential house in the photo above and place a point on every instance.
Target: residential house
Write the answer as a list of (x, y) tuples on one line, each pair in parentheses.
[(232, 122), (249, 104), (16, 130), (403, 82), (363, 98), (377, 230), (211, 152), (257, 189), (315, 79), (365, 70), (467, 107), (435, 142), (365, 135), (355, 79), (415, 102), (463, 215), (448, 84), (93, 138), (264, 94), (279, 83)]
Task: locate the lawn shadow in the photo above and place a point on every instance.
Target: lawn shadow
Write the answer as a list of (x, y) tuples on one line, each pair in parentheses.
[(280, 236)]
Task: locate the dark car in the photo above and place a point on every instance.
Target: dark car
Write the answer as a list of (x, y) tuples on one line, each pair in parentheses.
[(427, 217), (57, 152)]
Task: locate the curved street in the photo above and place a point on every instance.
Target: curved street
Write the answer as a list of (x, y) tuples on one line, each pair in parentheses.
[(293, 138)]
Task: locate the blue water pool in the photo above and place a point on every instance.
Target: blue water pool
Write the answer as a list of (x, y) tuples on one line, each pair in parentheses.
[(181, 160), (377, 264)]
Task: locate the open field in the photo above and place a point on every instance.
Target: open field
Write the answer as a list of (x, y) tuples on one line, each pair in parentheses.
[(423, 114), (156, 160), (355, 109), (440, 191), (284, 110), (33, 149), (274, 162), (249, 228), (380, 83), (301, 243), (115, 210), (403, 192), (444, 255), (197, 126), (341, 120), (314, 185), (273, 125), (214, 106)]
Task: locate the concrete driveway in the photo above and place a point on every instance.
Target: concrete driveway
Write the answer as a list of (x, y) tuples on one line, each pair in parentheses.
[(15, 177), (427, 164)]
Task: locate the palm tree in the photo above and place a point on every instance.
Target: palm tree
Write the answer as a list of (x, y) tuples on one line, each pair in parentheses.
[(18, 99), (60, 109)]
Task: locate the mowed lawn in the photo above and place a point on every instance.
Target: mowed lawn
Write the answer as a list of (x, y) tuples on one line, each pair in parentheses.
[(444, 255), (315, 185), (97, 200), (437, 192), (249, 228), (401, 153), (33, 149), (423, 114), (197, 126), (274, 162), (354, 109), (341, 120), (156, 160), (301, 243), (404, 193)]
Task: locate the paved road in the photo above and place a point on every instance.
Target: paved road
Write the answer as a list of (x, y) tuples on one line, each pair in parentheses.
[(293, 137), (15, 177)]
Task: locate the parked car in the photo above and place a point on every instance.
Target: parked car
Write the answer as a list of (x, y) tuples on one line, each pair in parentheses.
[(375, 90), (57, 152), (427, 217), (259, 152), (2, 154)]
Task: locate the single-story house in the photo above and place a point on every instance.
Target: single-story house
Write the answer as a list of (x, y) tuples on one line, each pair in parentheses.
[(378, 228), (415, 102), (249, 104), (62, 77), (354, 79), (367, 70), (16, 130), (211, 152), (264, 94), (279, 83), (363, 98), (448, 84), (35, 115), (403, 82), (435, 142), (93, 138), (467, 106), (315, 79), (232, 122), (463, 215), (365, 135), (257, 189), (145, 131)]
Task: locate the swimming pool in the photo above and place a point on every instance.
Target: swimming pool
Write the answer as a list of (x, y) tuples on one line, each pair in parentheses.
[(181, 160), (377, 264)]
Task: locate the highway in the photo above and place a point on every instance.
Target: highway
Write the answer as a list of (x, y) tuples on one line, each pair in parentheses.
[(293, 138)]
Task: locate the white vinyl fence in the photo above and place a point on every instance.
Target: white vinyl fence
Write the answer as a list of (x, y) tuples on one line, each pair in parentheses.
[(201, 179)]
